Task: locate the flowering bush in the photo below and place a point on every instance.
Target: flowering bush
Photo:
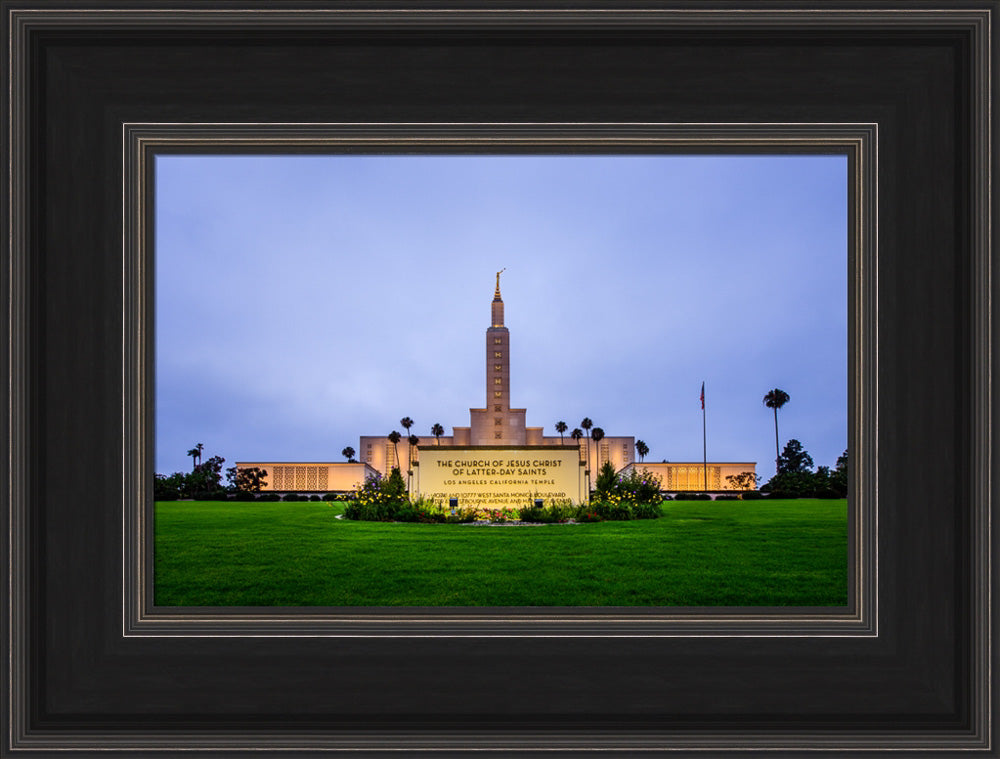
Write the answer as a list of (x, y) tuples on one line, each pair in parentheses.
[(553, 511), (497, 516), (639, 487), (460, 516), (612, 508), (385, 500), (635, 495), (378, 499)]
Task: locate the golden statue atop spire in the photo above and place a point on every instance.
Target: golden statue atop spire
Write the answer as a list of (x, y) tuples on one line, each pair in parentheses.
[(496, 295)]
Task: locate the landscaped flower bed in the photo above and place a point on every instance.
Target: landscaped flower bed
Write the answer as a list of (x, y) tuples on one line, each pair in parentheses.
[(385, 500)]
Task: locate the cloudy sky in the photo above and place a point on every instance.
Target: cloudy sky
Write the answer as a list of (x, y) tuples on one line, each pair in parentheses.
[(303, 301)]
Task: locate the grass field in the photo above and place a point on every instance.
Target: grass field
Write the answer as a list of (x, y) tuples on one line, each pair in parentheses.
[(700, 553)]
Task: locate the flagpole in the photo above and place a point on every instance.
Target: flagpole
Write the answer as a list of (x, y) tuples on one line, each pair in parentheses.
[(704, 437)]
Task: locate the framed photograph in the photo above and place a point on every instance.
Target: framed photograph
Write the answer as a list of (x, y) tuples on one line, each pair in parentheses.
[(821, 574), (103, 100)]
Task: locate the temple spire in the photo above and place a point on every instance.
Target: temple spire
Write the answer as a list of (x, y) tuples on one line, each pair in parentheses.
[(497, 320)]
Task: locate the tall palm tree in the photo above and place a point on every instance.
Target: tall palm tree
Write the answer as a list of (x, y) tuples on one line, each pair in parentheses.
[(394, 438), (597, 435), (195, 454), (561, 428), (587, 424), (437, 431), (641, 448), (776, 399), (348, 453), (407, 423), (577, 435), (413, 440)]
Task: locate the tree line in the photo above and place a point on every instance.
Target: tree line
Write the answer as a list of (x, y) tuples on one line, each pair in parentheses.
[(205, 480)]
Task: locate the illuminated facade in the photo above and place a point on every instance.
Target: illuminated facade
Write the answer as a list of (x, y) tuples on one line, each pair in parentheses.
[(678, 476), (311, 476)]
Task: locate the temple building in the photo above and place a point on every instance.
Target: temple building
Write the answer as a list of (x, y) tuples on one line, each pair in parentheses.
[(495, 424)]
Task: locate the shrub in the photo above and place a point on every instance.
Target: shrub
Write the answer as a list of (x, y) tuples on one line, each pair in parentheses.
[(554, 512), (533, 513), (612, 510), (727, 498), (269, 497), (752, 495), (403, 512), (791, 484), (692, 497), (291, 497), (394, 485), (167, 488), (639, 487), (497, 516), (380, 500), (243, 495), (606, 481), (646, 511), (461, 516), (421, 510), (586, 514), (314, 497), (743, 480), (635, 495), (331, 497), (209, 495)]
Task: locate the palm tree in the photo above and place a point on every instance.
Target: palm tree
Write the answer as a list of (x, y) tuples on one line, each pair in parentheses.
[(394, 438), (587, 424), (407, 423), (776, 399), (437, 431), (597, 435), (577, 435), (348, 453), (413, 440), (641, 448), (195, 454), (561, 428)]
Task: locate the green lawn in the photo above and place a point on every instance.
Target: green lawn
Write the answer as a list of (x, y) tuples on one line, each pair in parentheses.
[(726, 553)]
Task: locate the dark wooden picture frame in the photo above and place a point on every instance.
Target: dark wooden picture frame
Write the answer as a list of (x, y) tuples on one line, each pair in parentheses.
[(92, 668)]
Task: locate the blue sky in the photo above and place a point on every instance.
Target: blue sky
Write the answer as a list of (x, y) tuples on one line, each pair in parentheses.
[(303, 301)]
